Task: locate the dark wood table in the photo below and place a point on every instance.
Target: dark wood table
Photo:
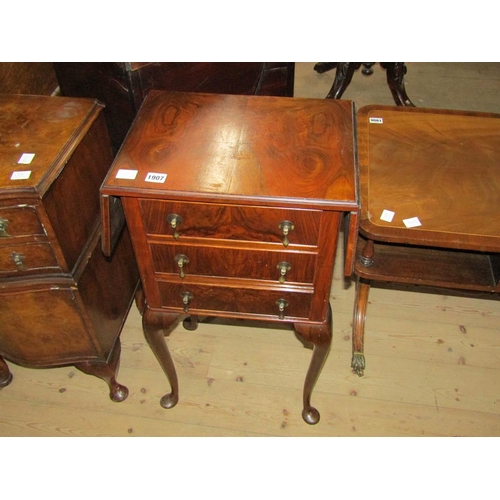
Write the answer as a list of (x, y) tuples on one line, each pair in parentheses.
[(430, 211), (345, 71), (234, 205)]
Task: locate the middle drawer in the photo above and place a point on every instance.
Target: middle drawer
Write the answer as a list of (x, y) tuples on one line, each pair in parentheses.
[(192, 260)]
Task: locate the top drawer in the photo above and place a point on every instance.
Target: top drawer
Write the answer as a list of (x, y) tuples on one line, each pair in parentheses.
[(247, 223), (19, 220)]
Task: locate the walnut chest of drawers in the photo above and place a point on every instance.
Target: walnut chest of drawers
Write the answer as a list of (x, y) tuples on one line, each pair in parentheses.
[(234, 205), (58, 303)]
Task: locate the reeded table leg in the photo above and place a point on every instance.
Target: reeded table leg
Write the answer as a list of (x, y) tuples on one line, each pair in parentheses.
[(156, 326), (5, 374), (321, 337), (108, 372), (358, 326)]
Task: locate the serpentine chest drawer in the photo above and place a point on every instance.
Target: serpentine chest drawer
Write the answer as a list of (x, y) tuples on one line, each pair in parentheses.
[(58, 303), (234, 205)]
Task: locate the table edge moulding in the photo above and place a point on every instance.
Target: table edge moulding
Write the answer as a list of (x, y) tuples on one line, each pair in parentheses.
[(220, 177)]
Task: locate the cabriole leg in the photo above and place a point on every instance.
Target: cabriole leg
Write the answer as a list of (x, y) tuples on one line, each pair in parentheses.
[(108, 372), (156, 326), (321, 338), (5, 374)]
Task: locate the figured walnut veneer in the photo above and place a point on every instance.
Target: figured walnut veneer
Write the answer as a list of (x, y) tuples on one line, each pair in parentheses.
[(245, 224)]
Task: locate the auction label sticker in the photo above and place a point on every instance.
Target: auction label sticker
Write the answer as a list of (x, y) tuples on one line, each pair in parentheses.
[(124, 173), (26, 158), (387, 215), (20, 175), (413, 222), (156, 177)]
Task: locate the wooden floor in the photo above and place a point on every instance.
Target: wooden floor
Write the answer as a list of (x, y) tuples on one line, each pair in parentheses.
[(433, 361)]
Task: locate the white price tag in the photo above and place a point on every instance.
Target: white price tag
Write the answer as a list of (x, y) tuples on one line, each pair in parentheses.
[(156, 177), (26, 158), (376, 120), (124, 173), (20, 175), (413, 222), (387, 216)]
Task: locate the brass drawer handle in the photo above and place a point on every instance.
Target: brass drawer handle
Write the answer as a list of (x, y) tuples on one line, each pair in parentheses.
[(181, 261), (175, 221), (284, 267), (282, 305), (286, 226), (17, 258), (186, 298), (3, 228)]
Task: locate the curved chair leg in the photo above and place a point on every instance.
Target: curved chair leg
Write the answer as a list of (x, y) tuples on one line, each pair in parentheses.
[(321, 337), (395, 79), (343, 77), (156, 327), (358, 326), (5, 374), (108, 372)]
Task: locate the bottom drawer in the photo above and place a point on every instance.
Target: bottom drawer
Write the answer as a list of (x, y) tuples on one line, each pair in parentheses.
[(238, 302)]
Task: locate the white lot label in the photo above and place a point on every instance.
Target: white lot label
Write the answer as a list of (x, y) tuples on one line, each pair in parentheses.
[(387, 215), (413, 222), (20, 175), (26, 158), (155, 177), (124, 173)]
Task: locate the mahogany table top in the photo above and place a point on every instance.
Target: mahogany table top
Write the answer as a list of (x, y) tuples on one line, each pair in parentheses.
[(436, 171)]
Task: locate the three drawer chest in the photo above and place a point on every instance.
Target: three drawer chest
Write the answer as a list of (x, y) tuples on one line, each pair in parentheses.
[(234, 205), (62, 302)]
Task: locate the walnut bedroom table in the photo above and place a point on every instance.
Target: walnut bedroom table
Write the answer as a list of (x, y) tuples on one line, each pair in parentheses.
[(234, 205), (430, 211)]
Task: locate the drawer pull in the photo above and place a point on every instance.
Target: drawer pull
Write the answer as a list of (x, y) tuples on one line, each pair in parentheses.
[(284, 267), (3, 228), (181, 261), (186, 298), (286, 226), (17, 258), (175, 221), (282, 305)]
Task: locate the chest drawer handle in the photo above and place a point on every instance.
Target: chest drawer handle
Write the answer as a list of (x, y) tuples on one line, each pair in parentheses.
[(284, 267), (181, 261), (17, 258), (286, 226), (282, 305), (175, 221), (186, 298), (3, 228)]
